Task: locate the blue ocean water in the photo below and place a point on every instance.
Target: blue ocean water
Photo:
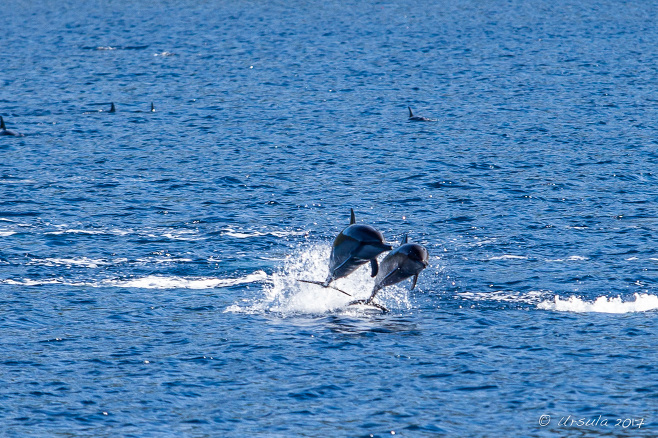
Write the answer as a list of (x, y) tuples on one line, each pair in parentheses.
[(149, 260)]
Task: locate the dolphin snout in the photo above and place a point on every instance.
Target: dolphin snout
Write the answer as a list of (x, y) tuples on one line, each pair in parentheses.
[(381, 246)]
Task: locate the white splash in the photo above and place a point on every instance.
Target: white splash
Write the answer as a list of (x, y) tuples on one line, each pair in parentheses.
[(285, 294), (6, 233), (642, 303)]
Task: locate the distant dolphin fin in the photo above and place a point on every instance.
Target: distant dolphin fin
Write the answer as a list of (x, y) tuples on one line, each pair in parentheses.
[(112, 108), (352, 217), (410, 113), (2, 123), (374, 268), (152, 108), (413, 285), (405, 239)]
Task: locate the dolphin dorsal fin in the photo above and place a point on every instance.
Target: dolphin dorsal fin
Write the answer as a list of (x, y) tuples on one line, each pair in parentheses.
[(410, 113), (352, 217), (405, 239), (152, 108), (2, 123), (112, 108)]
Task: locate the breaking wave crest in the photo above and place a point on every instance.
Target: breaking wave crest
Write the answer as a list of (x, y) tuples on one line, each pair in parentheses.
[(642, 303)]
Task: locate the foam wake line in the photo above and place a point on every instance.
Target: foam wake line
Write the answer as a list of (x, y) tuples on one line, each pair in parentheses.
[(151, 282), (284, 294), (642, 303)]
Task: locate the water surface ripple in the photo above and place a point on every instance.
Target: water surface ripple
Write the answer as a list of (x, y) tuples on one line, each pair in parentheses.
[(149, 260)]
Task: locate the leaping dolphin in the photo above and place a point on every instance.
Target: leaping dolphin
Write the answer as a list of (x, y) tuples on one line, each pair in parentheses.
[(413, 118), (356, 245), (5, 131), (405, 261)]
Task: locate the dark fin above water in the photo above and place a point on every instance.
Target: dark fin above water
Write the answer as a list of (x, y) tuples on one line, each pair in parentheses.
[(405, 239), (319, 283), (410, 113), (112, 108), (413, 285), (152, 108), (352, 217), (374, 268), (2, 123)]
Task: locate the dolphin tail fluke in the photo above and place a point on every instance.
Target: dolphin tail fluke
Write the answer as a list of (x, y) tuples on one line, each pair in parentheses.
[(112, 108), (370, 303), (352, 217), (372, 295), (413, 285), (374, 267), (410, 113), (2, 123)]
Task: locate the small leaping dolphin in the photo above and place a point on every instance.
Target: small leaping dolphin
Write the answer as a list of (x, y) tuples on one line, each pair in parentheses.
[(5, 131), (356, 245), (413, 118), (405, 261)]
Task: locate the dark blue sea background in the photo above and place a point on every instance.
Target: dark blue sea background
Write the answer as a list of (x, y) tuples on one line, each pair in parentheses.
[(149, 260)]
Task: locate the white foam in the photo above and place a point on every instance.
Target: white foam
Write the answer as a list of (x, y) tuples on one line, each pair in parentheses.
[(508, 257), (284, 294), (569, 259), (165, 282), (253, 233), (531, 297), (115, 232), (81, 261), (642, 303), (6, 233), (189, 235), (74, 231), (150, 282)]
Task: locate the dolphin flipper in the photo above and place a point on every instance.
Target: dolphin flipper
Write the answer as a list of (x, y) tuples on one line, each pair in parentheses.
[(413, 285), (374, 267)]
